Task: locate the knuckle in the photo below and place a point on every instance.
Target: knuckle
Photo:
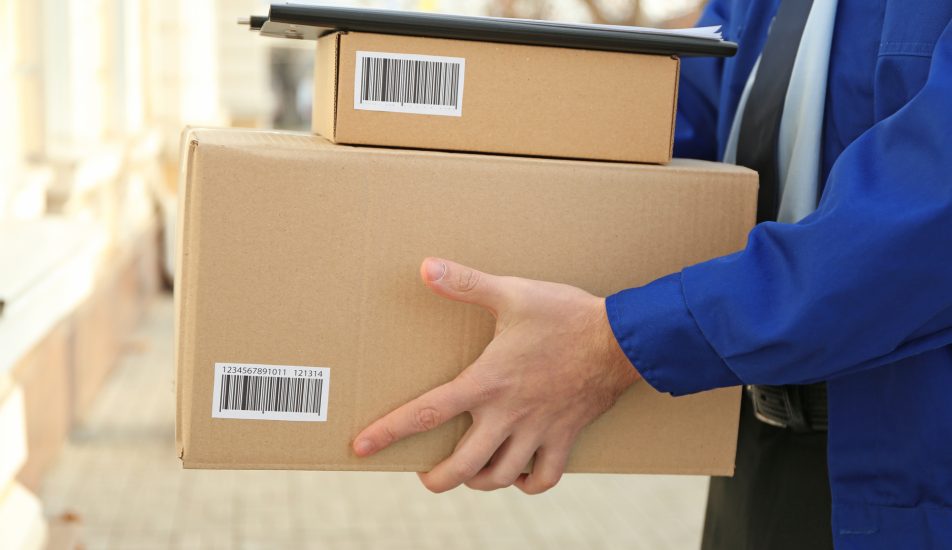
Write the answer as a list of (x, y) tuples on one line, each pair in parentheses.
[(485, 388), (467, 280), (426, 418), (474, 484), (387, 435), (499, 480), (480, 483), (515, 414), (541, 484), (547, 481), (464, 471), (541, 480)]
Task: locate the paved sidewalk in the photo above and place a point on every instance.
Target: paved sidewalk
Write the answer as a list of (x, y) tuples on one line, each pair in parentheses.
[(120, 474)]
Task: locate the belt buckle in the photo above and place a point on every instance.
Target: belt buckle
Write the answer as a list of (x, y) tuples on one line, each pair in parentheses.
[(761, 416)]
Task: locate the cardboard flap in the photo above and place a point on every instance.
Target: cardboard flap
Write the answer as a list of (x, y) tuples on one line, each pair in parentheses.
[(325, 98)]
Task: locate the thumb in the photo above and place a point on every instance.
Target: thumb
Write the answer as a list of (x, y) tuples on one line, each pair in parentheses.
[(465, 284)]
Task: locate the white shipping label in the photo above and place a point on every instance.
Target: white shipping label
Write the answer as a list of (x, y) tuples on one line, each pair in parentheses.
[(407, 83), (270, 392)]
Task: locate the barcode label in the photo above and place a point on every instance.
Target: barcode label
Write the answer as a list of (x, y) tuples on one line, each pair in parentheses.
[(407, 83), (270, 392)]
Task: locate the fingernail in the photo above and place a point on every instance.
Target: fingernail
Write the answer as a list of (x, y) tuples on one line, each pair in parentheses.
[(363, 447), (435, 270)]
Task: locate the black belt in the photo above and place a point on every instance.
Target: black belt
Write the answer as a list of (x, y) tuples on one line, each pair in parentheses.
[(800, 408)]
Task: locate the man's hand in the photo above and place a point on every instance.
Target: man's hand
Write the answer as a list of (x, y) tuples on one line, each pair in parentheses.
[(552, 368)]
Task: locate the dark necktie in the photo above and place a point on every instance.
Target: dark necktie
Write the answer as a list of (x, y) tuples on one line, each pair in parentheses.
[(799, 407), (760, 124)]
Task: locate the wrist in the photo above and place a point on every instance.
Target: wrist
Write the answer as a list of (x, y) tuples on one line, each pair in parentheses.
[(659, 334), (609, 351)]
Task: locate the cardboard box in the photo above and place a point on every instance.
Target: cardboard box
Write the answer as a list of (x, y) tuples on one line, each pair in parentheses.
[(509, 99), (297, 252)]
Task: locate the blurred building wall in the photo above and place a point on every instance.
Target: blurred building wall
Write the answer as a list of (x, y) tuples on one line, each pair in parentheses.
[(181, 66), (21, 110)]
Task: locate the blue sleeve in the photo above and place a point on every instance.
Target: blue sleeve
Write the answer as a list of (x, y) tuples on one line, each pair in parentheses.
[(695, 129), (864, 281)]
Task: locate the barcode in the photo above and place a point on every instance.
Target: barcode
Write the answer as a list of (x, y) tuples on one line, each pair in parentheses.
[(409, 83), (270, 392)]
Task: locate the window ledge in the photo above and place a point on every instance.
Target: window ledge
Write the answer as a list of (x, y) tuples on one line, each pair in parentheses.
[(53, 266)]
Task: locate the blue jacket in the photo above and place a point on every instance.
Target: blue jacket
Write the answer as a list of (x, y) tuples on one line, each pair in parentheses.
[(858, 293)]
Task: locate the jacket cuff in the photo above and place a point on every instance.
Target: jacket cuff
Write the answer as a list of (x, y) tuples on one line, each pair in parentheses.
[(662, 340)]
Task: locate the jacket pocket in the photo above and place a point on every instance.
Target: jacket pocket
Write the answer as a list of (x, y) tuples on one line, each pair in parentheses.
[(910, 31), (898, 79)]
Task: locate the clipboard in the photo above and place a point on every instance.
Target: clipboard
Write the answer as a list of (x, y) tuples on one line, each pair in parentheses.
[(310, 22)]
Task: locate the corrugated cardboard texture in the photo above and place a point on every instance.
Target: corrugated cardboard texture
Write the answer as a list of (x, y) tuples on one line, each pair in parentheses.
[(324, 107), (299, 252), (520, 100)]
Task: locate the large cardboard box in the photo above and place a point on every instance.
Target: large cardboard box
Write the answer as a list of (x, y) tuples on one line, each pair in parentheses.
[(296, 253), (428, 93)]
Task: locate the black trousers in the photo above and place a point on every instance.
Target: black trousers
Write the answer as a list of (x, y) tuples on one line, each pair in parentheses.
[(779, 497)]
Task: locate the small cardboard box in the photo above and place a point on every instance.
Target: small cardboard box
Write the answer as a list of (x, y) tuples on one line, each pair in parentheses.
[(297, 255), (428, 93)]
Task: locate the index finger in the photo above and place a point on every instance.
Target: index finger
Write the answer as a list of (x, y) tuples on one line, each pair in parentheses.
[(424, 413)]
